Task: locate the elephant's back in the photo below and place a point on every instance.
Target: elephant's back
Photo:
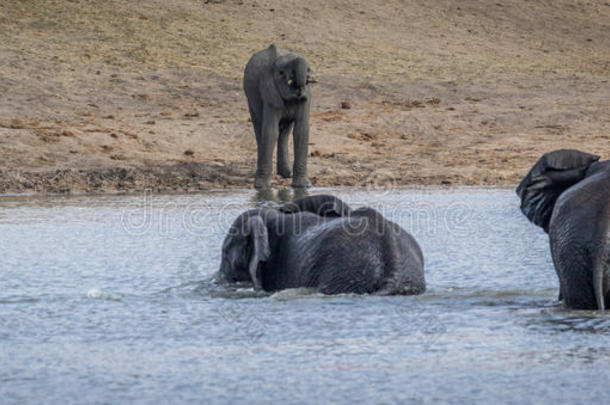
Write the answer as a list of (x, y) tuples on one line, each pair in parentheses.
[(347, 258), (256, 66), (365, 255), (582, 212), (263, 57)]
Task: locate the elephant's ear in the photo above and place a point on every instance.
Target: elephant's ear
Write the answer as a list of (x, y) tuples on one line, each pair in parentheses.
[(259, 248), (324, 205), (553, 173)]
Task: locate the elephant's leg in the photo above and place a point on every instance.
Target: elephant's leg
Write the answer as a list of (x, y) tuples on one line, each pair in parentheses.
[(573, 265), (266, 145), (283, 162), (301, 144)]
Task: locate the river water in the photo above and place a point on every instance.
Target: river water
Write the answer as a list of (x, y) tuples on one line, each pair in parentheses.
[(110, 299)]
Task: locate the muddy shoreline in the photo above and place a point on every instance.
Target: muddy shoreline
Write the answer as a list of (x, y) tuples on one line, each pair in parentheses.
[(185, 177)]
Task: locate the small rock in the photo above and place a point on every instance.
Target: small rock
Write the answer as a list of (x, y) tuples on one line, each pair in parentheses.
[(192, 114), (189, 152), (317, 153), (362, 136), (150, 122), (346, 105)]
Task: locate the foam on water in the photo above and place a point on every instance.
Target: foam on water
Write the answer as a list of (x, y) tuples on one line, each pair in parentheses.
[(101, 294), (296, 293)]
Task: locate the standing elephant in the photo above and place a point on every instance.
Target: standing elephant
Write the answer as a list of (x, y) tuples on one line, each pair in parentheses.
[(567, 193), (277, 88), (360, 252)]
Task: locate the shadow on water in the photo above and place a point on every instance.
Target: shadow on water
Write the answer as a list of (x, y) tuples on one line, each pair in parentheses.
[(18, 300), (210, 288), (559, 320)]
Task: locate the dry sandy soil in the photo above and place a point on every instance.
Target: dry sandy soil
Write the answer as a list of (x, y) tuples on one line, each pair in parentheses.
[(118, 95)]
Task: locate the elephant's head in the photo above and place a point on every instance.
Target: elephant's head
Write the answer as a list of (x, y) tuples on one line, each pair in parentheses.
[(244, 248), (323, 204), (292, 76), (554, 173)]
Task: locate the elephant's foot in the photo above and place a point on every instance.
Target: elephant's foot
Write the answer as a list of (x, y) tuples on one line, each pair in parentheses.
[(300, 182), (284, 170), (262, 181)]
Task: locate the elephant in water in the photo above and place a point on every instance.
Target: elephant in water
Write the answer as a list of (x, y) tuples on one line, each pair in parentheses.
[(567, 193), (276, 84), (319, 242)]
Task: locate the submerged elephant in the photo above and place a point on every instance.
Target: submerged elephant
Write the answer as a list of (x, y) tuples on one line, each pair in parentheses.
[(324, 205), (276, 84), (567, 193), (333, 251)]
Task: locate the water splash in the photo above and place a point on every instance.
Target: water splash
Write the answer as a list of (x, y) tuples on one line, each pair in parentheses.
[(101, 294)]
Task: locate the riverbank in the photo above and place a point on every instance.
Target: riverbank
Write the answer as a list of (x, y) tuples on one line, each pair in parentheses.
[(124, 97)]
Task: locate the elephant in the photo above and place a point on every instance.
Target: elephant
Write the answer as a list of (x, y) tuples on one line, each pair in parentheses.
[(276, 84), (358, 251), (567, 194), (324, 205)]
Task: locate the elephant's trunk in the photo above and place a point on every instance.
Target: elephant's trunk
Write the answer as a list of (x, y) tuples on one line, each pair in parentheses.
[(601, 264), (598, 284)]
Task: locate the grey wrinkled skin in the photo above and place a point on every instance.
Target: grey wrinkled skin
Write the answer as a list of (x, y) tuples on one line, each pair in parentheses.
[(324, 205), (277, 88), (567, 193), (360, 252)]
